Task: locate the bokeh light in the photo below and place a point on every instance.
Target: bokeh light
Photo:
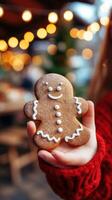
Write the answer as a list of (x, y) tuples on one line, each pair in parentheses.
[(94, 27), (29, 36), (41, 33), (13, 42), (52, 49), (52, 17), (26, 15), (1, 11), (104, 20), (68, 15), (73, 32), (24, 44), (87, 53), (37, 60), (88, 36), (3, 45), (51, 28)]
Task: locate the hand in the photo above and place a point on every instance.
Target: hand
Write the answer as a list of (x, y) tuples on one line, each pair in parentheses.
[(65, 155)]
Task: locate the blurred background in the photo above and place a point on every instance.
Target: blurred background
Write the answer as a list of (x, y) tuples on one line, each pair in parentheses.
[(38, 37)]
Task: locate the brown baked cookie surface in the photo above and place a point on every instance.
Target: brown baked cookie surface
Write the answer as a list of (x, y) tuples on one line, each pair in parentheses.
[(58, 112)]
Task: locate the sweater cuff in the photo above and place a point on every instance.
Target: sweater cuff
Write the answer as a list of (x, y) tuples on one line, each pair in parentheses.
[(93, 163)]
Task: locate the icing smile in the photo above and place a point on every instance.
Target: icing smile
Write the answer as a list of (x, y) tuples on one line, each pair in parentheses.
[(54, 97)]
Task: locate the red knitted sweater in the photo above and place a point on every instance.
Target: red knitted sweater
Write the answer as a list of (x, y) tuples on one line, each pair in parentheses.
[(92, 181)]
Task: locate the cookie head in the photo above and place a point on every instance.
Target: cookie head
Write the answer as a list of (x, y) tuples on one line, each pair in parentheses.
[(54, 87)]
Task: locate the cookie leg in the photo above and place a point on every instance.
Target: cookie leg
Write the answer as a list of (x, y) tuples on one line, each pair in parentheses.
[(80, 136), (42, 141), (81, 106)]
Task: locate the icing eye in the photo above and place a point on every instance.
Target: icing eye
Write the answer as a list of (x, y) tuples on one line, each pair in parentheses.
[(60, 83), (58, 88), (50, 89)]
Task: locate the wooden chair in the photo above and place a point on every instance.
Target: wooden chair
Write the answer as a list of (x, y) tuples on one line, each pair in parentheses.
[(13, 138)]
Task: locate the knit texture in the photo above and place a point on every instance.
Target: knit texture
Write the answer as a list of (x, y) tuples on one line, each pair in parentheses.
[(92, 181)]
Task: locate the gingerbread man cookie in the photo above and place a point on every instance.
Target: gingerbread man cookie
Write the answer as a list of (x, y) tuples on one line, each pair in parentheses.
[(58, 112)]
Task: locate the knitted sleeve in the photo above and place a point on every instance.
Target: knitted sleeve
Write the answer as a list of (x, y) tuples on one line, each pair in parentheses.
[(78, 182), (93, 180)]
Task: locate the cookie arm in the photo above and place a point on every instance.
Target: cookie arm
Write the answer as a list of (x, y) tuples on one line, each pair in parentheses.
[(31, 110), (81, 106)]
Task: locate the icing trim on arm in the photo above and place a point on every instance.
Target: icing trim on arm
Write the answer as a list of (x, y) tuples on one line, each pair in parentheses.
[(47, 136), (75, 134), (78, 105), (35, 103)]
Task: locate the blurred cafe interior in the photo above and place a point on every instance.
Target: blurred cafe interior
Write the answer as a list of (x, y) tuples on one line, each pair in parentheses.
[(38, 37)]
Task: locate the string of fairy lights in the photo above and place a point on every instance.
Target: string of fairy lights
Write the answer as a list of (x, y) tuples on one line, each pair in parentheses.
[(14, 60), (28, 37)]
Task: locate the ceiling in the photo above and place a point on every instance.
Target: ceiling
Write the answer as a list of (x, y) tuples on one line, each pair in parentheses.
[(11, 24)]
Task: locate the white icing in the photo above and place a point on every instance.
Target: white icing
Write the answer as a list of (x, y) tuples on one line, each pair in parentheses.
[(35, 103), (78, 104), (54, 97), (50, 89), (46, 83), (58, 114), (47, 136), (60, 130), (56, 107), (58, 88), (58, 122), (75, 134)]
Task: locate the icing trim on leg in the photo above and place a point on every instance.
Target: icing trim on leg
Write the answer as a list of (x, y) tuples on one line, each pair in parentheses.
[(47, 136), (75, 134), (35, 103), (78, 105)]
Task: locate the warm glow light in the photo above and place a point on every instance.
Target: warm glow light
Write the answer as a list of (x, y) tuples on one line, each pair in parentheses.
[(24, 44), (87, 53), (28, 36), (80, 34), (26, 15), (17, 64), (1, 11), (94, 27), (68, 15), (104, 20), (13, 42), (73, 32), (52, 49), (51, 28), (53, 17), (37, 60), (88, 36), (42, 33), (3, 45), (70, 52)]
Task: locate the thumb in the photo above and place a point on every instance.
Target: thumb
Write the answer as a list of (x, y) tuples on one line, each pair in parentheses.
[(31, 128), (89, 118)]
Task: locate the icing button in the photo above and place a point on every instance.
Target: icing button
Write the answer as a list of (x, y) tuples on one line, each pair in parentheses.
[(58, 114), (58, 122), (60, 130), (50, 89), (56, 107)]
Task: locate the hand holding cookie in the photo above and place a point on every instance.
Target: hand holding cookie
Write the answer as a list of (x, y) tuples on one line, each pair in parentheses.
[(56, 114)]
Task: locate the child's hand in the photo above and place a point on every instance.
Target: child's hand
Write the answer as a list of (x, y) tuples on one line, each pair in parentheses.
[(65, 155)]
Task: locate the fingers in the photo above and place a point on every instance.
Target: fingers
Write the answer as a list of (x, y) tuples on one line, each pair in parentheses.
[(89, 119), (76, 157), (48, 157), (31, 128)]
